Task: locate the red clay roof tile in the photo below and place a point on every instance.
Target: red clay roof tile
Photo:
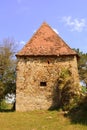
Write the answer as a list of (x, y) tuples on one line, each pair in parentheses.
[(46, 42)]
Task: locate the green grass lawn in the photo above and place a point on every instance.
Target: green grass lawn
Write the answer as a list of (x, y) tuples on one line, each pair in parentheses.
[(38, 120)]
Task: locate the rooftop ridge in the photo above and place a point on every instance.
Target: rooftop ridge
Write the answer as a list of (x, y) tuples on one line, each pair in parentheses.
[(45, 41)]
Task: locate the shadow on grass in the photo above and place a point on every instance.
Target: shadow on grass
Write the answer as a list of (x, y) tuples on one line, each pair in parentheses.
[(78, 115), (6, 110)]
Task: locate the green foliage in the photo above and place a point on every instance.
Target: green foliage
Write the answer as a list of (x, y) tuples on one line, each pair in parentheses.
[(64, 76), (82, 66), (69, 93), (65, 73), (70, 96), (7, 68), (84, 89), (78, 114), (83, 103), (4, 106), (2, 88)]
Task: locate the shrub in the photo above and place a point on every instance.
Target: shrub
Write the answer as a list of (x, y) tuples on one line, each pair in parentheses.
[(70, 92), (70, 96)]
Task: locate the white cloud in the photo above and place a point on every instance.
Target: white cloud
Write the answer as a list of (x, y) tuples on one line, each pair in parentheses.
[(20, 45), (55, 30), (75, 24), (22, 42), (34, 31)]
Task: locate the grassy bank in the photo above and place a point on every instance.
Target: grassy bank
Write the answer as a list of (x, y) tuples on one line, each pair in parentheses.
[(38, 120)]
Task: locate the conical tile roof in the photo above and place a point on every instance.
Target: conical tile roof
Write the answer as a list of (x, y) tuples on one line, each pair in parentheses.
[(46, 42)]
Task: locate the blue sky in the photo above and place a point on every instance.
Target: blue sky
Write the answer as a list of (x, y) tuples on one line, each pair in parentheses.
[(20, 18)]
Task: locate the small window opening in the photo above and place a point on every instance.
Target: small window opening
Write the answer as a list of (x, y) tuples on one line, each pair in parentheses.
[(48, 62), (43, 84)]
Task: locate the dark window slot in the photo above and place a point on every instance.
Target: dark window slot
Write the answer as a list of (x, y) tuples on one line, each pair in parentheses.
[(43, 84)]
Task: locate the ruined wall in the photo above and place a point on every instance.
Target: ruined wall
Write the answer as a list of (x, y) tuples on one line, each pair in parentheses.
[(37, 78)]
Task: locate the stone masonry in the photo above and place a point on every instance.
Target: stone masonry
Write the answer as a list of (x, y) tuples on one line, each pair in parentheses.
[(31, 72)]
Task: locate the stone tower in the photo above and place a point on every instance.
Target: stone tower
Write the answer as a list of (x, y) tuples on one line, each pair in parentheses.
[(39, 64)]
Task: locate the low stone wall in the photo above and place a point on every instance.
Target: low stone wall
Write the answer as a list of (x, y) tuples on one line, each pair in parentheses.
[(37, 78)]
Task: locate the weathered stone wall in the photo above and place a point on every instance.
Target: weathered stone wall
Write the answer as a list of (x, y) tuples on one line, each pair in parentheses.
[(37, 78)]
